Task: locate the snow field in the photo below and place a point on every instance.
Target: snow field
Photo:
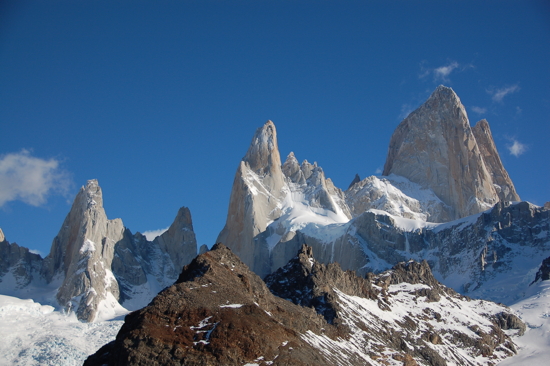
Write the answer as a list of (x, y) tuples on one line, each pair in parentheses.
[(35, 334)]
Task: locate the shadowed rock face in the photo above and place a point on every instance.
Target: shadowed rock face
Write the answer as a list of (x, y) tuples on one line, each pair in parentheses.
[(543, 274), (436, 148), (220, 313), (23, 265)]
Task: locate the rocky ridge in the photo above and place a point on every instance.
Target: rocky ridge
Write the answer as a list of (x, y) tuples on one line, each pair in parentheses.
[(380, 221), (220, 312), (486, 255), (96, 264)]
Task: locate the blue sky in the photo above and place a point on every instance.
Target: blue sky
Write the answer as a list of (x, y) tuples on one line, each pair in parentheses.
[(159, 100)]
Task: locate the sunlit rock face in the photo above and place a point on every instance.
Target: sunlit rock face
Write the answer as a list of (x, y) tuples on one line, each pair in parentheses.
[(436, 148), (501, 180), (265, 196), (82, 253), (256, 198), (96, 267)]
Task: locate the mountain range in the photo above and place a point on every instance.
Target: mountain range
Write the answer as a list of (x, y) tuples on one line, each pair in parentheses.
[(442, 225)]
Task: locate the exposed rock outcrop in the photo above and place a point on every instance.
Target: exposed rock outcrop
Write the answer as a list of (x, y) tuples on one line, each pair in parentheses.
[(203, 249), (265, 194), (220, 313), (82, 253), (96, 264), (255, 198), (355, 180), (543, 274), (307, 282), (18, 266), (436, 148), (144, 268)]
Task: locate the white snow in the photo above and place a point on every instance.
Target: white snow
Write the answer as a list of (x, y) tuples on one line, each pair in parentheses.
[(109, 308), (534, 310), (404, 224), (456, 315), (396, 195), (459, 224), (234, 306), (297, 214), (35, 334), (88, 246)]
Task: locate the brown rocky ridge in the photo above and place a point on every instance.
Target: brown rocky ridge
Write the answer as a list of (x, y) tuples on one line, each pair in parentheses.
[(220, 313)]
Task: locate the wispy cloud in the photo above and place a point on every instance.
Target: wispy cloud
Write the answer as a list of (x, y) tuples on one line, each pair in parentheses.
[(441, 73), (152, 234), (30, 179), (478, 110), (516, 148), (499, 94)]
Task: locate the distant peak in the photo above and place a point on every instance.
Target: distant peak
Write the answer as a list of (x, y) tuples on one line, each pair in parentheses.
[(355, 180)]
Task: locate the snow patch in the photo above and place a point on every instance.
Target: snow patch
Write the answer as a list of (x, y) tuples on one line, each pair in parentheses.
[(87, 247)]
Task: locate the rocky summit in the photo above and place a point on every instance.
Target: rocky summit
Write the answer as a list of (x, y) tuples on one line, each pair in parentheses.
[(221, 313), (96, 265), (436, 148), (440, 175)]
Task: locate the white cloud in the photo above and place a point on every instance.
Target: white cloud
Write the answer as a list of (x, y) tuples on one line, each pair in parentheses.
[(442, 72), (517, 148), (479, 110), (152, 234), (378, 171), (36, 251), (30, 179), (499, 94)]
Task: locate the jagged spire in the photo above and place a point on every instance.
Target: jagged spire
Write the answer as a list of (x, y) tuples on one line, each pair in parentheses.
[(263, 154)]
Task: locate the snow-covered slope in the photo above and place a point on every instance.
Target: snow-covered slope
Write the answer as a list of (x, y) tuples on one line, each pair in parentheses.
[(534, 310), (492, 255), (35, 334), (397, 196)]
